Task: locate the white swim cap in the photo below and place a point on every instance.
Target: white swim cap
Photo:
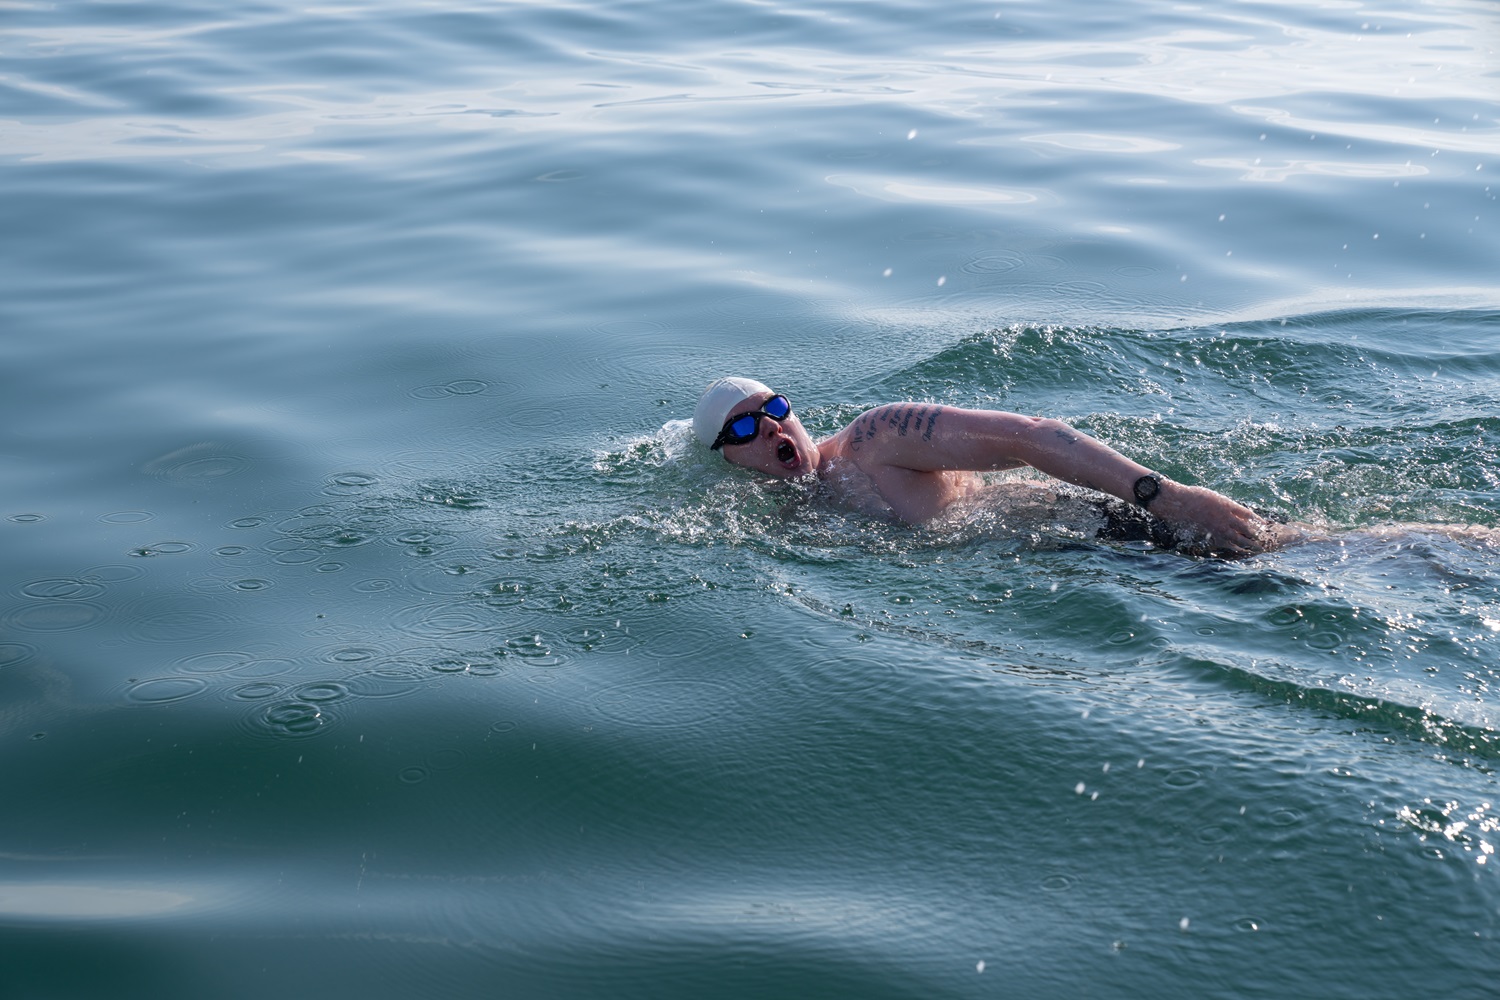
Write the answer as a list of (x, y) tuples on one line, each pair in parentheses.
[(721, 396)]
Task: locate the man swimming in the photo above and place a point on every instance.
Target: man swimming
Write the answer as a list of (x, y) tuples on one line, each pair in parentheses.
[(916, 460)]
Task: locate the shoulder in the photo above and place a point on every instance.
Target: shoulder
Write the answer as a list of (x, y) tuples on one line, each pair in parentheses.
[(887, 421)]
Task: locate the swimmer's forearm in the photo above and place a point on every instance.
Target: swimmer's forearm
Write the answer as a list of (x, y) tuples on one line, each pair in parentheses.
[(1066, 453), (1214, 523)]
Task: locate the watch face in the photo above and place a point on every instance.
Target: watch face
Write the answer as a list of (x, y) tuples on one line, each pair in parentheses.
[(1146, 489)]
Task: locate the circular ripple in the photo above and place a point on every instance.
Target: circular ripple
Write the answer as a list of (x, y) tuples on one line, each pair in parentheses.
[(15, 652), (1059, 882), (340, 536), (264, 668), (1215, 834), (665, 704), (442, 621), (168, 548), (453, 577), (56, 616), (534, 650), (480, 664), (213, 663), (1184, 778), (1325, 640), (384, 682), (591, 638), (183, 625), (1284, 617), (296, 557), (111, 574), (484, 665), (256, 691), (289, 720), (449, 665), (424, 539), (1077, 288), (994, 263), (351, 654), (196, 465), (446, 759), (505, 593), (126, 517), (27, 518), (161, 690), (320, 692), (1285, 817), (458, 387), (62, 590), (348, 484), (629, 327)]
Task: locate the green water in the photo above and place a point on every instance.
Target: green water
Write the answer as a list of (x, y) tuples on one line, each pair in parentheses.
[(370, 624)]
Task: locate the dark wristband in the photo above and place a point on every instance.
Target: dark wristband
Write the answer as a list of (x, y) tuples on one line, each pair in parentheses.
[(1146, 488)]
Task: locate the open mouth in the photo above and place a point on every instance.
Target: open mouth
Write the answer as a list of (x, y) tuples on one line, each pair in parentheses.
[(786, 454)]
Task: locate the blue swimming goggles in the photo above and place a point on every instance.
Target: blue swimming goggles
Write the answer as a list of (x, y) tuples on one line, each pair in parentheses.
[(743, 428)]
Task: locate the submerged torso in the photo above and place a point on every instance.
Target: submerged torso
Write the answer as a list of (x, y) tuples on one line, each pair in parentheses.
[(1005, 505), (905, 494)]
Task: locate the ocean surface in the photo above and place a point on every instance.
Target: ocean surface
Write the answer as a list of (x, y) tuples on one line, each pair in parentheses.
[(370, 624)]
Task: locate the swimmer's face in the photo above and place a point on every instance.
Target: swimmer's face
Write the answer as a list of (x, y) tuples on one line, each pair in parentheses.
[(780, 448)]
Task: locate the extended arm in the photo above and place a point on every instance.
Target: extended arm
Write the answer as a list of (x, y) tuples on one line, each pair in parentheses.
[(892, 442)]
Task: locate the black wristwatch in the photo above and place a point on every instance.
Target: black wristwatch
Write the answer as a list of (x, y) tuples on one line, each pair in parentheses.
[(1146, 488)]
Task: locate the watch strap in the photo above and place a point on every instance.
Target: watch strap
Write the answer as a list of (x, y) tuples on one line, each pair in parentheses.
[(1146, 488)]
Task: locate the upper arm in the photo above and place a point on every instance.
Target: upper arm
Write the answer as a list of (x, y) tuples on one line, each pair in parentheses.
[(925, 437)]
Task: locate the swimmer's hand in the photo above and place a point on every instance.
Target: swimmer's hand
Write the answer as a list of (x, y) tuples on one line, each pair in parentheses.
[(1212, 524)]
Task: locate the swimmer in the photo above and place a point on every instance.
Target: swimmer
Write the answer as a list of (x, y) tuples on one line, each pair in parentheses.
[(917, 460)]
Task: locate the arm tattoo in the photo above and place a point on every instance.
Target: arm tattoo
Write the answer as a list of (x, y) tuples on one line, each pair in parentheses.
[(1067, 436), (864, 430), (900, 418)]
